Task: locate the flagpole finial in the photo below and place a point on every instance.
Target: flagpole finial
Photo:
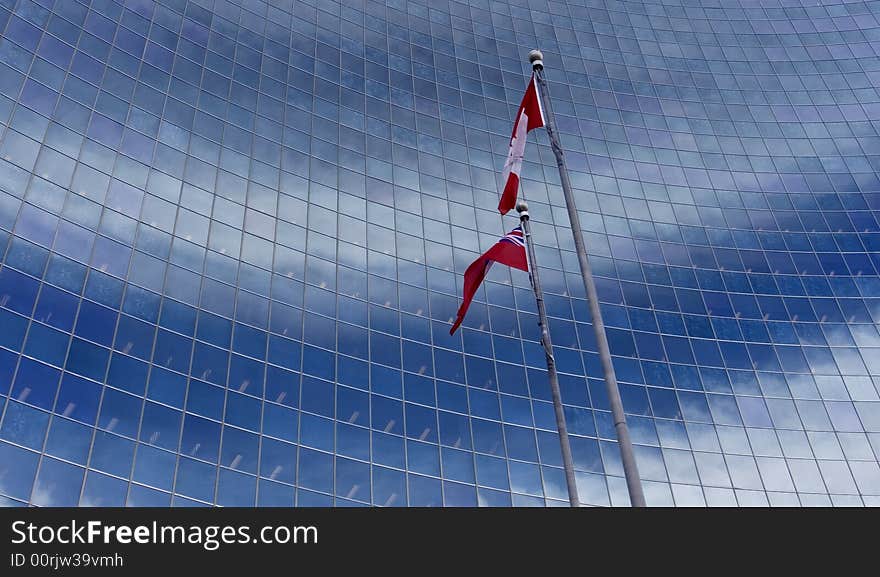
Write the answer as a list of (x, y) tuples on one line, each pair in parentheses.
[(523, 209), (536, 58)]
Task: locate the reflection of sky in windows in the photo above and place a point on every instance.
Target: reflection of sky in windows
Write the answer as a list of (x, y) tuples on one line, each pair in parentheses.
[(232, 243)]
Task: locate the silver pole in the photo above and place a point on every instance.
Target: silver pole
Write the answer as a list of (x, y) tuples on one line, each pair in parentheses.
[(630, 468), (567, 462)]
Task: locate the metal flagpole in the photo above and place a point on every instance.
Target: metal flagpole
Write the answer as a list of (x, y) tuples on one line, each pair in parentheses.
[(630, 469), (567, 462)]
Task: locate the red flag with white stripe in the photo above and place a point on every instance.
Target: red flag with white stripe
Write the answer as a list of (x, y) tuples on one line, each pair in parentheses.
[(509, 250), (530, 116)]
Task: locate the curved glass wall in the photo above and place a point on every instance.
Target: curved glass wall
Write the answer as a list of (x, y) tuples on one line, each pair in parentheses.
[(233, 234)]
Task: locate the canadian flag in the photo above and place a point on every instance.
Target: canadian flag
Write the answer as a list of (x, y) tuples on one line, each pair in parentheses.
[(530, 116)]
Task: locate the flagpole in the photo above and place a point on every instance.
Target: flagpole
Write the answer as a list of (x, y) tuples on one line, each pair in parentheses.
[(567, 461), (630, 468)]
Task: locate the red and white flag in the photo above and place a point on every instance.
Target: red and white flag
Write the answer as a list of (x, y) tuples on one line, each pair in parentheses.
[(530, 116), (510, 250)]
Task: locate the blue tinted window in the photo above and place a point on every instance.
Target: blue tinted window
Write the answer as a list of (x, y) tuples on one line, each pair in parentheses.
[(220, 274)]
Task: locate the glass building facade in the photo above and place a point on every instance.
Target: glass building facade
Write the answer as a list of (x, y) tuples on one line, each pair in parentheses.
[(233, 237)]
